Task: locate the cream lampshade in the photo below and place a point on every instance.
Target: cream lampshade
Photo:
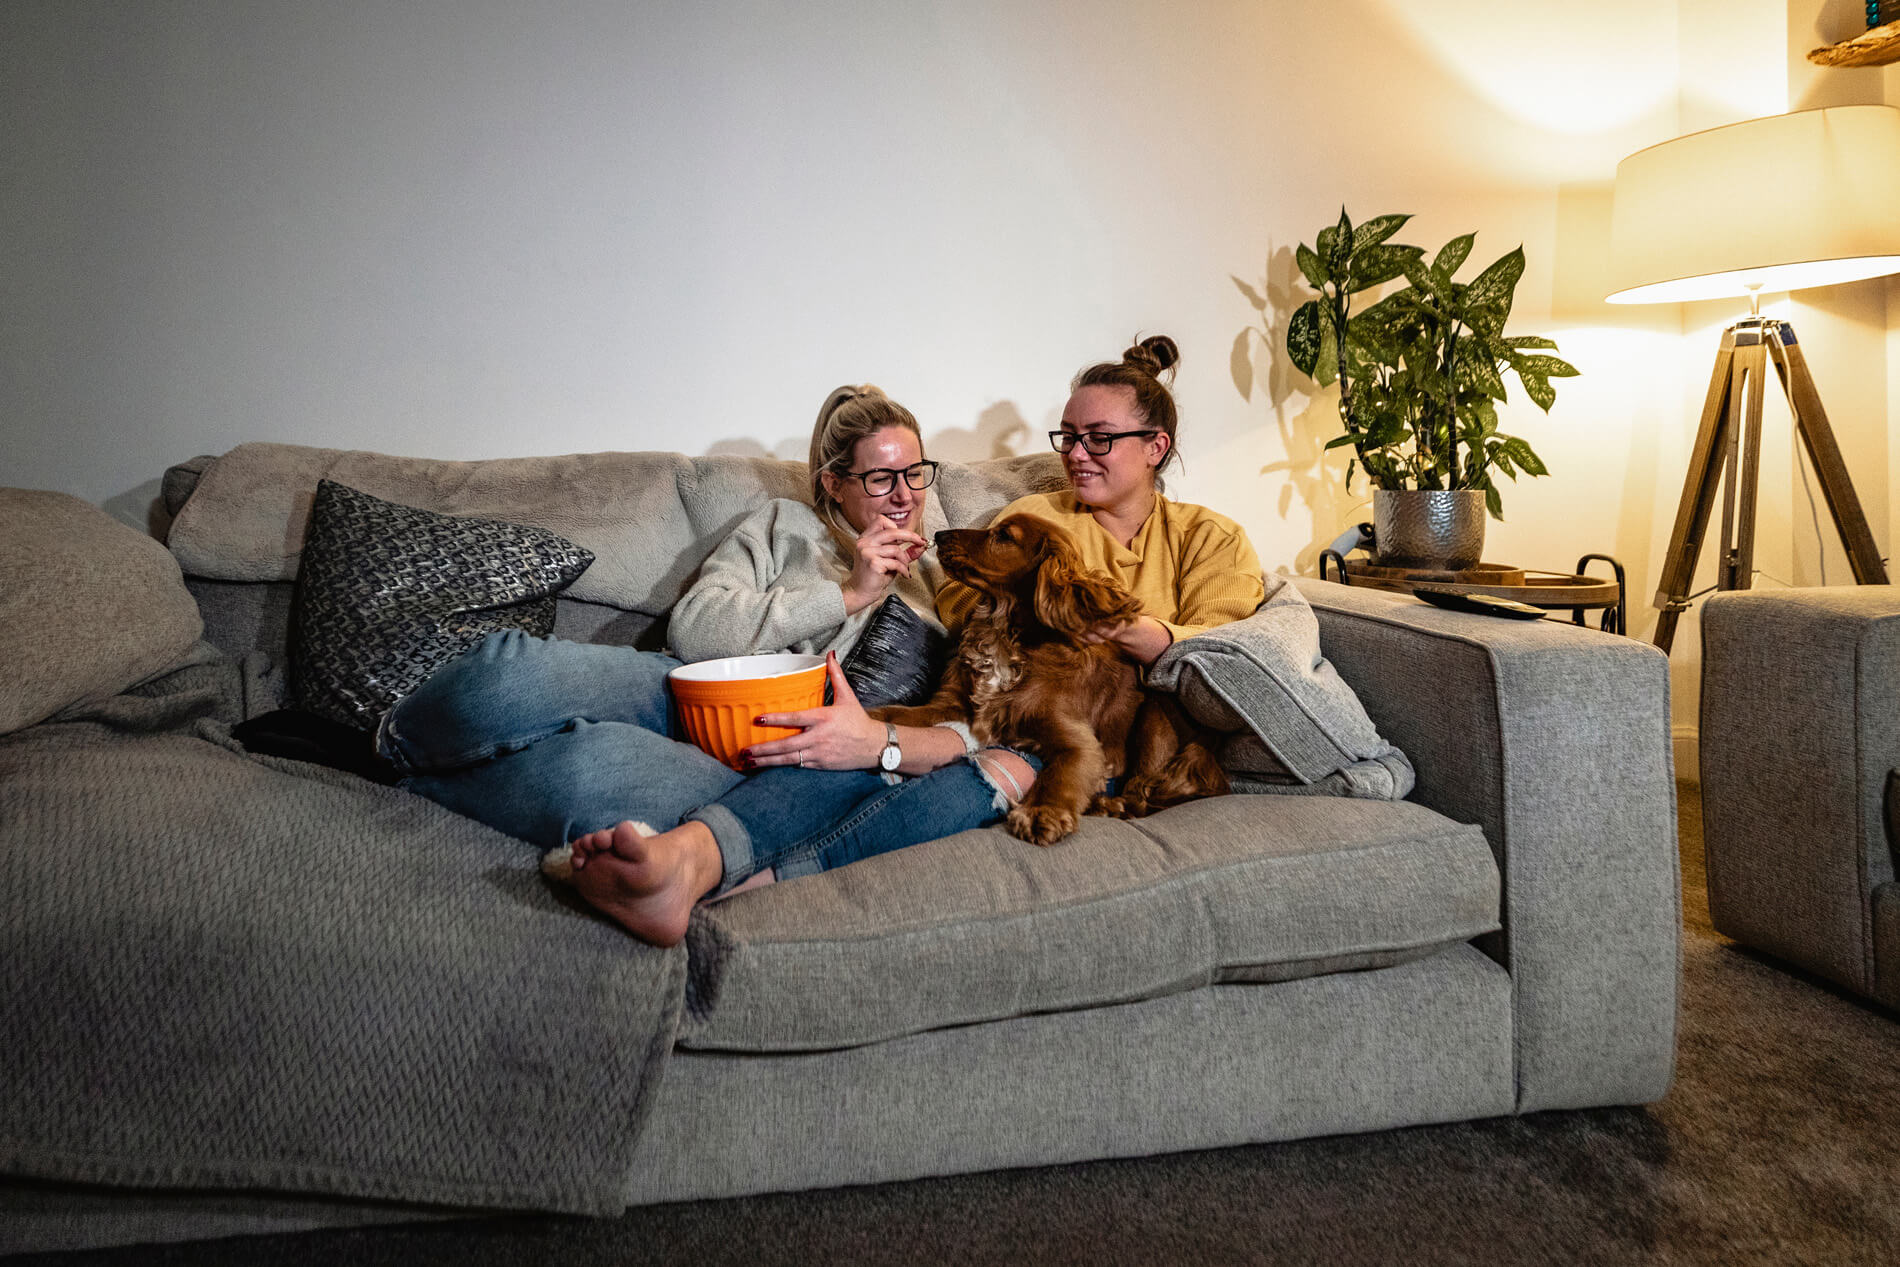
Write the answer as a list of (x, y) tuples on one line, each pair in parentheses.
[(1774, 204)]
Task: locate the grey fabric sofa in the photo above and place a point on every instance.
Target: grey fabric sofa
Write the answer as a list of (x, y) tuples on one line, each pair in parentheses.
[(1245, 969), (1800, 740)]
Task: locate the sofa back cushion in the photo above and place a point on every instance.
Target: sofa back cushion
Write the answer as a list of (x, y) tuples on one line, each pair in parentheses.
[(88, 606), (650, 520), (980, 926)]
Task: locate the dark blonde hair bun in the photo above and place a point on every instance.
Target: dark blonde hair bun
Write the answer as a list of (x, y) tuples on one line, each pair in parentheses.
[(1156, 354)]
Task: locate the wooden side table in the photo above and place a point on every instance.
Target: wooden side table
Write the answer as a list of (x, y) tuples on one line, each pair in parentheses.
[(1575, 592)]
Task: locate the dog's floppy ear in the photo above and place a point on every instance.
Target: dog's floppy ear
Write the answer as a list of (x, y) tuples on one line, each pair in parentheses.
[(1072, 600)]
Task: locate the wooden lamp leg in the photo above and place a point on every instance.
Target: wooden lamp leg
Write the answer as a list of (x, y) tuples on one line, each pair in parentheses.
[(1824, 455), (1712, 444)]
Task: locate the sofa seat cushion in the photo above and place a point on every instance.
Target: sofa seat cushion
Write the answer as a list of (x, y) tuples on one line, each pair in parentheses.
[(980, 926)]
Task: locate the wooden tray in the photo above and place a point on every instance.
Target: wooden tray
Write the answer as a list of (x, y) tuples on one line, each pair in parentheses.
[(1482, 574), (1553, 590)]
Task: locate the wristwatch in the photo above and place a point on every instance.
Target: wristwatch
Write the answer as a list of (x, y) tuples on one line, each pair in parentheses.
[(892, 756)]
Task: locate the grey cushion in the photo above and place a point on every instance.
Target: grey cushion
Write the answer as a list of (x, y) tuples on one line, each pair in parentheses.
[(88, 606), (388, 594), (981, 926)]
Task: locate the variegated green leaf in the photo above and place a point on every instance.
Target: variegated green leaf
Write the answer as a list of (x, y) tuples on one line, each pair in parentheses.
[(1452, 255), (1377, 265), (1538, 388), (1377, 230), (1310, 266), (1302, 337), (1338, 252), (1530, 341), (1548, 366), (1488, 298), (1474, 368), (1426, 283), (1519, 451)]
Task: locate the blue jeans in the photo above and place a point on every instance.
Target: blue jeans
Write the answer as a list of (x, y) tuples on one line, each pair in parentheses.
[(801, 821), (548, 740)]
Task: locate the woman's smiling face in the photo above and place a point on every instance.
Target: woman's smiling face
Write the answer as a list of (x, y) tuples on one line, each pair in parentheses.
[(890, 449), (1126, 471)]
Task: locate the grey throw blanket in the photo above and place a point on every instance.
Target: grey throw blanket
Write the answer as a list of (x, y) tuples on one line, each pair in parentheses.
[(1293, 724), (225, 971)]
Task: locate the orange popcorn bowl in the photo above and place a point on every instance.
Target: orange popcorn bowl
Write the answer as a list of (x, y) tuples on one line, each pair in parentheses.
[(719, 700)]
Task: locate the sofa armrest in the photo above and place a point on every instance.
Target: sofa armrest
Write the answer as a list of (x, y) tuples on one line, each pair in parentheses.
[(1554, 739), (1800, 731)]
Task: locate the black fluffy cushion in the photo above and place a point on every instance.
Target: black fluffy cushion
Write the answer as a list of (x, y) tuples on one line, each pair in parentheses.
[(387, 594), (897, 659)]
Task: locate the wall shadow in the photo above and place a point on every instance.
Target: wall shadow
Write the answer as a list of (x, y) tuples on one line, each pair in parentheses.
[(791, 449), (1315, 477), (1001, 431)]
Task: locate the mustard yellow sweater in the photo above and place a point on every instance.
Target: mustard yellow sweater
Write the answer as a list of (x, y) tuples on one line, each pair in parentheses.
[(1191, 567)]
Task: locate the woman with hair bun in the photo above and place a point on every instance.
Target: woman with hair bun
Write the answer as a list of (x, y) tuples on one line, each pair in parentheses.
[(1191, 567)]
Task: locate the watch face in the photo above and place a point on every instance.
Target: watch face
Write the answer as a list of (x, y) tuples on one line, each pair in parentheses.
[(890, 757)]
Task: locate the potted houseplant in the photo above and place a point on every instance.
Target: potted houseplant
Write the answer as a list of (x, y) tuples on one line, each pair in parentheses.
[(1420, 373)]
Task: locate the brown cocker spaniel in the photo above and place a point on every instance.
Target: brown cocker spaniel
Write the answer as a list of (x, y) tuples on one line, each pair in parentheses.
[(1023, 677)]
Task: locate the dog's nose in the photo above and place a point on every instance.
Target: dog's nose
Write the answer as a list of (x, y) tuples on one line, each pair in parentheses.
[(943, 537)]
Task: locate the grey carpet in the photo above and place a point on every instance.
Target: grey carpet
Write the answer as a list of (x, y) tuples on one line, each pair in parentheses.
[(1780, 1143)]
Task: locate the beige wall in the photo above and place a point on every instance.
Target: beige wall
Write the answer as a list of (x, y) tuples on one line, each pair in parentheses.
[(467, 229)]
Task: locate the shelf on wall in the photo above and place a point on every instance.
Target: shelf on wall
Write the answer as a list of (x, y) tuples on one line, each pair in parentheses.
[(1877, 47)]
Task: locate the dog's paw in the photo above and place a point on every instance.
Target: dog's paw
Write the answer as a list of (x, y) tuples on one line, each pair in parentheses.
[(1041, 824), (1113, 807)]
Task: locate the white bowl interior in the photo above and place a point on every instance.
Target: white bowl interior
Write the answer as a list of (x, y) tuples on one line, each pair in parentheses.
[(747, 668)]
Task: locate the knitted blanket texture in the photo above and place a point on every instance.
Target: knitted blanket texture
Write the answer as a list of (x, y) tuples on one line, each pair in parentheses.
[(236, 972)]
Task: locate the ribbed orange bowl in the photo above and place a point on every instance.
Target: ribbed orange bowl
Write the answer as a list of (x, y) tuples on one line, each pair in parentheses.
[(718, 699)]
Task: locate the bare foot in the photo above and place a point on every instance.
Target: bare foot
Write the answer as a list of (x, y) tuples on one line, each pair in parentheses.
[(646, 883)]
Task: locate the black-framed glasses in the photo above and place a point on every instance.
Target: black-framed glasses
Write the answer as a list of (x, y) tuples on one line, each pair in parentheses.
[(1096, 442), (882, 479)]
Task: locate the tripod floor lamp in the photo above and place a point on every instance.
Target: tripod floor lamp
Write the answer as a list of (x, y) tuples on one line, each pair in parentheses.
[(1775, 204)]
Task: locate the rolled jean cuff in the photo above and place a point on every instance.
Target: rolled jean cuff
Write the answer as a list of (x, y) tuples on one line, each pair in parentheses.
[(734, 841)]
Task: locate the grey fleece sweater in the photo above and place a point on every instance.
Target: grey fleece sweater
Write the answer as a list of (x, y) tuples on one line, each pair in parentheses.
[(777, 584)]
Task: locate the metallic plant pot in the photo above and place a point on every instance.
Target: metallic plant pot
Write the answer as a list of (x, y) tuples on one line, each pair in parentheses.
[(1414, 528)]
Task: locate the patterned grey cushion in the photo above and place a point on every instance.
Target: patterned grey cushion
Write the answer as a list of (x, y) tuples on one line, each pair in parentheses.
[(387, 594), (897, 659)]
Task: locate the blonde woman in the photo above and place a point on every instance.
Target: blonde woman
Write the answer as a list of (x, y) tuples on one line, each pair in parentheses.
[(556, 741)]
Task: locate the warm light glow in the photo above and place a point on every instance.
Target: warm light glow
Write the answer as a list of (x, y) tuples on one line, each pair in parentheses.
[(1774, 204), (1557, 68)]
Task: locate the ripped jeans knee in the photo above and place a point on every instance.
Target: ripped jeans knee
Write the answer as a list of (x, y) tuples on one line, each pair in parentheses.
[(1008, 772)]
